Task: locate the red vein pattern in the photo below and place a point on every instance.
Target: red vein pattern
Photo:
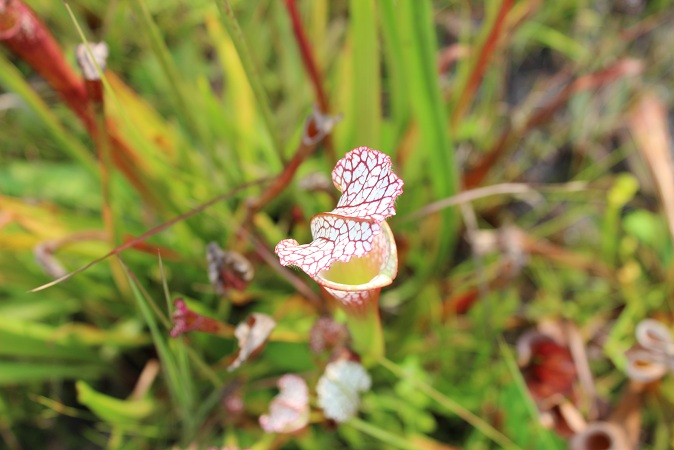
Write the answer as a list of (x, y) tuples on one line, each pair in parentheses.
[(369, 190)]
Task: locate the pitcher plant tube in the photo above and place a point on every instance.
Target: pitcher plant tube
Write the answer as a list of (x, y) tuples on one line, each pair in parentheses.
[(353, 254)]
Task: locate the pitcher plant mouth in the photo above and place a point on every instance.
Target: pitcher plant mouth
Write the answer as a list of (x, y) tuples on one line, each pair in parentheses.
[(350, 245), (361, 279)]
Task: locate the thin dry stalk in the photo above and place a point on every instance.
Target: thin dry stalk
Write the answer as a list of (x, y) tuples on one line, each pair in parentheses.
[(622, 68)]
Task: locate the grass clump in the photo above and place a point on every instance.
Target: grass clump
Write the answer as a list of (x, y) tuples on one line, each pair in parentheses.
[(534, 234)]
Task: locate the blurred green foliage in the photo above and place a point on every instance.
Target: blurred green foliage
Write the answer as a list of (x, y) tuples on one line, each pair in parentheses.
[(209, 99)]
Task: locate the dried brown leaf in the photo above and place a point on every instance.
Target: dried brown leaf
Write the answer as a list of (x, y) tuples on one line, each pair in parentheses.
[(648, 126)]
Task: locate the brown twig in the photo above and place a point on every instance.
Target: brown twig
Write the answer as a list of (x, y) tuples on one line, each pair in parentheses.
[(311, 66), (619, 69), (299, 284), (26, 36), (470, 195), (307, 56), (317, 127), (158, 229)]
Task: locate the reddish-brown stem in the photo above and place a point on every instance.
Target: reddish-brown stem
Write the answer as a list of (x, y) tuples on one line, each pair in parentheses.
[(95, 93), (300, 285), (311, 66), (480, 66), (317, 128), (307, 56), (26, 36)]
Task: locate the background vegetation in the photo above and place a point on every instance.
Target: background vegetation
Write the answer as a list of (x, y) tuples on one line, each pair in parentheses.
[(543, 126)]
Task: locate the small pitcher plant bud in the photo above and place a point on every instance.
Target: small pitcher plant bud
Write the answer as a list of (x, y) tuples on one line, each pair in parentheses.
[(327, 334), (353, 254), (186, 320), (228, 269), (547, 366), (549, 372)]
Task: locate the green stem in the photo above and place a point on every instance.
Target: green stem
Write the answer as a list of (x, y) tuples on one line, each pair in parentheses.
[(364, 325), (382, 435)]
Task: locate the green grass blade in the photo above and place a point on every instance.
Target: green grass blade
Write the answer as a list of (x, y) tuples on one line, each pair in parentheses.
[(525, 400), (435, 148), (396, 84), (18, 373), (389, 439), (184, 106), (365, 113), (37, 341), (452, 406), (179, 387), (236, 34), (113, 410)]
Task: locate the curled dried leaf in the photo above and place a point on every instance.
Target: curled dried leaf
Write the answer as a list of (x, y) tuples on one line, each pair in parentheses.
[(44, 255), (228, 269), (251, 334)]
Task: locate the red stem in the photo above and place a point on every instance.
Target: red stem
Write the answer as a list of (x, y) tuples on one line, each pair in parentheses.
[(22, 32), (317, 128), (481, 64), (307, 56), (26, 36)]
